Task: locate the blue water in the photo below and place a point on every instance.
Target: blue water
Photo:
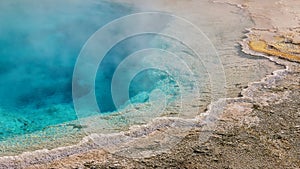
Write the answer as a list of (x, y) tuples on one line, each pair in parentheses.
[(144, 81), (39, 44)]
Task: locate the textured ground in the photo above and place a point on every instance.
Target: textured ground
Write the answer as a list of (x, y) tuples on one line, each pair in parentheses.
[(259, 129)]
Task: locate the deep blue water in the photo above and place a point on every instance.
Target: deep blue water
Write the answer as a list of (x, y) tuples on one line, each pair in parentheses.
[(39, 44)]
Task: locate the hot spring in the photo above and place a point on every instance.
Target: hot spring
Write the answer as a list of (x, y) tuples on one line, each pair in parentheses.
[(40, 48), (40, 43)]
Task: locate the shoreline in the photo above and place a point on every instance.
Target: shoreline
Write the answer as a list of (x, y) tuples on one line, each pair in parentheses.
[(245, 101), (48, 156)]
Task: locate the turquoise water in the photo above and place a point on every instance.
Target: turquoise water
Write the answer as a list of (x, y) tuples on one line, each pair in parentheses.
[(39, 44), (144, 82)]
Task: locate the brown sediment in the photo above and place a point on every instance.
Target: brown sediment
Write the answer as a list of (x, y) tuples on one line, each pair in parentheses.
[(283, 44), (280, 49), (276, 31)]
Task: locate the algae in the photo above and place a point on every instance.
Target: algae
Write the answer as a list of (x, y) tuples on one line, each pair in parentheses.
[(281, 49)]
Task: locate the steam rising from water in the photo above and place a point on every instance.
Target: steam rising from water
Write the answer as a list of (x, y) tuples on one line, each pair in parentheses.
[(40, 42)]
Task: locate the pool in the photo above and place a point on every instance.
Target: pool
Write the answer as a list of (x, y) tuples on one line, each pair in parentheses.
[(41, 45), (40, 42)]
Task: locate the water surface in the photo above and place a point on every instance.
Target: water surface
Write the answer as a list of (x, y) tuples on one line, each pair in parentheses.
[(39, 44)]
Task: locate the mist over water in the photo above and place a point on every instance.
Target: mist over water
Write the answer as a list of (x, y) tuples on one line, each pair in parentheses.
[(39, 44), (144, 82), (41, 40)]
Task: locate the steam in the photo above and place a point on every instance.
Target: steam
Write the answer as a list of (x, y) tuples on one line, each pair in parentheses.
[(40, 42)]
